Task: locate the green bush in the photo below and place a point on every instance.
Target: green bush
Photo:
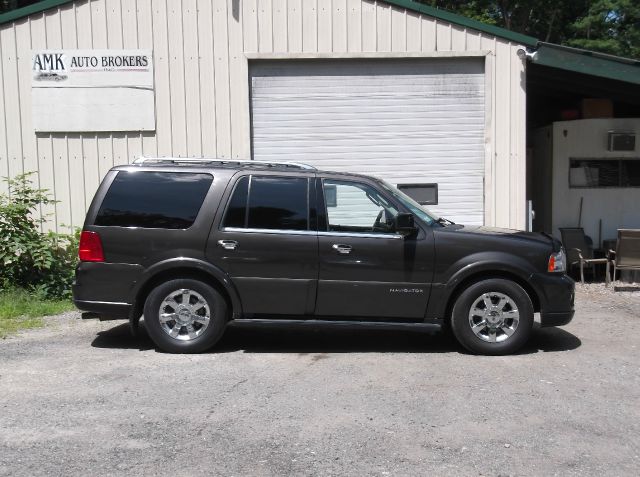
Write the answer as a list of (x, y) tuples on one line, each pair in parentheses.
[(30, 259)]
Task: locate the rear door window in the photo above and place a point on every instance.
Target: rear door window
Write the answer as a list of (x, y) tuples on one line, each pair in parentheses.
[(269, 202), (165, 200)]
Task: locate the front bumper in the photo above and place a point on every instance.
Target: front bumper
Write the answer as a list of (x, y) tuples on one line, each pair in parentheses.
[(556, 293)]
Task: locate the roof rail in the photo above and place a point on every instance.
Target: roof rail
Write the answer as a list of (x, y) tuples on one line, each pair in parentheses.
[(186, 160)]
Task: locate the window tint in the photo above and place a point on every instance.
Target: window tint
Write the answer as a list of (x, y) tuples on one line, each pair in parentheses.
[(354, 207), (154, 199), (278, 203), (595, 173), (237, 209)]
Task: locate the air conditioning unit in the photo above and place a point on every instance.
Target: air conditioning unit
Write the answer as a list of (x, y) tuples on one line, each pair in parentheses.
[(621, 141)]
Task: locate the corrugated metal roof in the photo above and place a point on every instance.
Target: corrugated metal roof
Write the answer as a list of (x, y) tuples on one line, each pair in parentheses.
[(587, 62)]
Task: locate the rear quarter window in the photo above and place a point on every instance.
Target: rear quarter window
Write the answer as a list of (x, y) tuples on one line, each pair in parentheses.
[(164, 200)]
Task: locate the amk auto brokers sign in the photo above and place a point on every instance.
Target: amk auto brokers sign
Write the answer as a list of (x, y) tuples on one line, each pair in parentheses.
[(92, 90)]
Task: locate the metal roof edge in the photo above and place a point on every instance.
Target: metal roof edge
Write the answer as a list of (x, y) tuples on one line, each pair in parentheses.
[(465, 22), (19, 13), (587, 62)]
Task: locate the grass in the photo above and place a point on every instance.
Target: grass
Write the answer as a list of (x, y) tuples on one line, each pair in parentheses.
[(21, 309)]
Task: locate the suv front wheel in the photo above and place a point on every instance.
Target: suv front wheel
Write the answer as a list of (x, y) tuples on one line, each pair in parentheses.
[(185, 316), (493, 317)]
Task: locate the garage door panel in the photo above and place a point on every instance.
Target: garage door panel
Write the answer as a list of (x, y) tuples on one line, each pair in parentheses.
[(407, 121)]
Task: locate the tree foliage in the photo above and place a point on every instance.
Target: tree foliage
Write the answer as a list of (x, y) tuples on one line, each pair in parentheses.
[(609, 26)]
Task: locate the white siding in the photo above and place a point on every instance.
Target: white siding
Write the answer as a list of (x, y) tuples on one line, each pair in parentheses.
[(202, 90)]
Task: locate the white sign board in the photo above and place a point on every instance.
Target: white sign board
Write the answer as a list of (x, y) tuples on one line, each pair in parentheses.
[(92, 90)]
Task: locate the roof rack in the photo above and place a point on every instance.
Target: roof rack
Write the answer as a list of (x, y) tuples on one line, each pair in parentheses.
[(232, 162)]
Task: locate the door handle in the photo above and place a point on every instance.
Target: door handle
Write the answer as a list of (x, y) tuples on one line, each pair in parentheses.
[(228, 244), (341, 248)]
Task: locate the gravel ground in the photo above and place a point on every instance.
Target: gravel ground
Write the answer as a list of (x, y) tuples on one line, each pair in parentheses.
[(85, 398)]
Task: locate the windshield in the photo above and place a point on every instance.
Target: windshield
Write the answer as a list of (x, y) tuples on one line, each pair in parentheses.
[(415, 208)]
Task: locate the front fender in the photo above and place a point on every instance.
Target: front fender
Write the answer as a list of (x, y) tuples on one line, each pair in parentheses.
[(477, 264), (189, 264)]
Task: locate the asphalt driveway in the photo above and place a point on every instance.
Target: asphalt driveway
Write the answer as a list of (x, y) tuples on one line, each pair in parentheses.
[(85, 398)]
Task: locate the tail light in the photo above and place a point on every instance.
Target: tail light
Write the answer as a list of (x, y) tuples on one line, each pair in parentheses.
[(90, 249)]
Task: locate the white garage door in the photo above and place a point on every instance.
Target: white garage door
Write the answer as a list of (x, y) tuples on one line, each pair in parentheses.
[(407, 121)]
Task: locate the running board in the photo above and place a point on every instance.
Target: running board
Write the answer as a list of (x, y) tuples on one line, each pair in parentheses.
[(326, 324)]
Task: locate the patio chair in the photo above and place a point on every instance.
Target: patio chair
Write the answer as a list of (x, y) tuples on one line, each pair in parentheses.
[(626, 256), (580, 251)]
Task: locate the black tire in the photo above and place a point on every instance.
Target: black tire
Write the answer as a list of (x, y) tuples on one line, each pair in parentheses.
[(199, 299), (504, 337)]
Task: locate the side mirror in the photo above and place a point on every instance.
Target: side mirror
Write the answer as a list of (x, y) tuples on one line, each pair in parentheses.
[(405, 224)]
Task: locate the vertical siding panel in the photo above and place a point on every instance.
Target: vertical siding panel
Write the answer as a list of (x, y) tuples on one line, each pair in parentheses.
[(294, 25), (458, 39), (146, 40), (265, 25), (161, 79), (489, 44), (191, 70), (77, 193), (176, 78), (83, 24), (414, 33), (398, 30), (47, 177), (354, 25), (61, 180), (69, 28), (120, 146), (129, 13), (383, 27), (249, 25), (443, 34), (222, 99), (59, 170), (280, 26), (27, 138), (325, 35), (4, 156), (239, 88), (369, 27), (12, 101), (502, 120), (310, 25), (339, 25), (518, 139), (105, 153), (99, 24), (134, 147), (429, 35), (91, 162), (114, 23), (38, 42), (207, 79), (473, 41)]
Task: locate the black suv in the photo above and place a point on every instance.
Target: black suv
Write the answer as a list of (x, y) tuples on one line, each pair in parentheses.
[(199, 245)]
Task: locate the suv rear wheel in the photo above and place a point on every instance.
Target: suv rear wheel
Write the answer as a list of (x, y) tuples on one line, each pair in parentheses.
[(185, 316), (493, 317)]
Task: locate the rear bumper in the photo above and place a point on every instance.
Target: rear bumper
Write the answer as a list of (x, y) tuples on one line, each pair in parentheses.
[(556, 293)]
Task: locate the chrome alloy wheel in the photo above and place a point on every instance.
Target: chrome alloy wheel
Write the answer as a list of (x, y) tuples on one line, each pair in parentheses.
[(184, 314), (494, 317)]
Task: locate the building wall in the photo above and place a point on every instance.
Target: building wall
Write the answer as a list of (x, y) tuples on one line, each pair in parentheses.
[(201, 52), (616, 207)]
